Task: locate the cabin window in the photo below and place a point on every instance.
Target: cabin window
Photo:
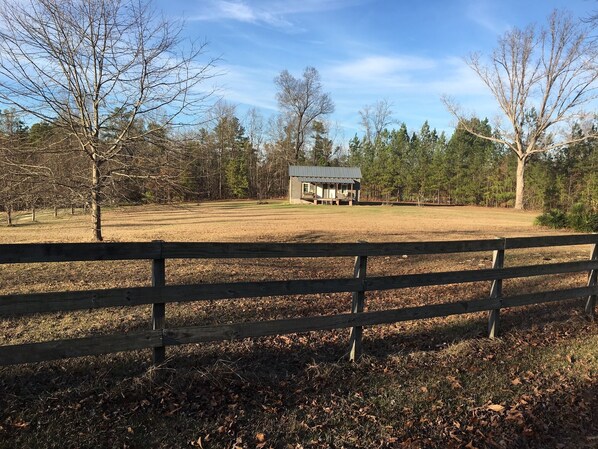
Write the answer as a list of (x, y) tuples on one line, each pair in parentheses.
[(306, 187)]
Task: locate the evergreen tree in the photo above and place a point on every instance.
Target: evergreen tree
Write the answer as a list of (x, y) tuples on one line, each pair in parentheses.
[(321, 152), (469, 163)]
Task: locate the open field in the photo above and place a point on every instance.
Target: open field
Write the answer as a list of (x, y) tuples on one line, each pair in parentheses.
[(432, 383), (277, 221)]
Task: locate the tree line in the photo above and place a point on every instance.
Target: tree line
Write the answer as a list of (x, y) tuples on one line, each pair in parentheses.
[(428, 167), (111, 110), (236, 158)]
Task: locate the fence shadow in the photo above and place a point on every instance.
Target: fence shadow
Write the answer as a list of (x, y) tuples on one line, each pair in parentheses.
[(253, 373)]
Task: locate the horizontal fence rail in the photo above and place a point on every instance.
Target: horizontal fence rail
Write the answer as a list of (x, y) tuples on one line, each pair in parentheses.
[(159, 294), (71, 252), (95, 299)]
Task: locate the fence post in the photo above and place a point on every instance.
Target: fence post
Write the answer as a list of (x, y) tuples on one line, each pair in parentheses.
[(357, 306), (498, 260), (158, 309), (592, 281)]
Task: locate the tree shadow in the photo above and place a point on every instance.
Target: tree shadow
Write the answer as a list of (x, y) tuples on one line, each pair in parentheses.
[(270, 377), (567, 418)]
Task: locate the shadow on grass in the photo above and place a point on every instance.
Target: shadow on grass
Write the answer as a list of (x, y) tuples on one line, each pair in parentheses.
[(294, 390), (565, 419), (403, 203), (317, 347), (26, 222)]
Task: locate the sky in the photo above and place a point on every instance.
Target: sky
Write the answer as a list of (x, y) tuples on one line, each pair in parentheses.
[(408, 53)]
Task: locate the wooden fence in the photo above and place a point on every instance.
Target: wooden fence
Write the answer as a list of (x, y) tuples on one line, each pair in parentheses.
[(160, 336)]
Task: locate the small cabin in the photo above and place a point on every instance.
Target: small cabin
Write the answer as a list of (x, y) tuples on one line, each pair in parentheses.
[(324, 185)]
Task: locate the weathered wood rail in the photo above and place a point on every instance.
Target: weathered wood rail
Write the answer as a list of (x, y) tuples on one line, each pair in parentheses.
[(159, 336)]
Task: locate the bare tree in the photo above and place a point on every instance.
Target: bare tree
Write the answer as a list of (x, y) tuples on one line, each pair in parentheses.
[(18, 165), (74, 63), (223, 122), (254, 126), (375, 117), (303, 100), (541, 79)]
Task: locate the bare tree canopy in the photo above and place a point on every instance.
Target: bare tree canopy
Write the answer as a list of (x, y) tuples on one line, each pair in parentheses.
[(541, 77), (375, 118), (78, 63), (303, 100)]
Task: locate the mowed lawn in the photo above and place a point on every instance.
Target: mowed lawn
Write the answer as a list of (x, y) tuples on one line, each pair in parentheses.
[(275, 221), (425, 384)]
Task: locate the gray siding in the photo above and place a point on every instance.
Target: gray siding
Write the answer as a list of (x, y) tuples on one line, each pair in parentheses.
[(294, 190)]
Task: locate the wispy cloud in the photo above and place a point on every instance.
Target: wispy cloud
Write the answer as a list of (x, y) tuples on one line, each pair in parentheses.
[(412, 83), (240, 11), (248, 86), (237, 11), (379, 68), (266, 12), (457, 78), (447, 75), (482, 14)]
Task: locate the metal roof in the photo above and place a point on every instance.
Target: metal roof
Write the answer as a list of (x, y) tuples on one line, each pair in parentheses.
[(324, 179), (325, 172)]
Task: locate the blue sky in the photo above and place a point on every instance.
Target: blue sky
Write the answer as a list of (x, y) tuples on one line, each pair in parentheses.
[(409, 53)]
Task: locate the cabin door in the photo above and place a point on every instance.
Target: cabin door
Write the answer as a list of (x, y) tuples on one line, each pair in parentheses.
[(331, 192), (319, 191), (328, 191)]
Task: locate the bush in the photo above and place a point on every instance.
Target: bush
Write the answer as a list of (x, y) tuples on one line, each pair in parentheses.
[(582, 220), (592, 222), (578, 219), (552, 219)]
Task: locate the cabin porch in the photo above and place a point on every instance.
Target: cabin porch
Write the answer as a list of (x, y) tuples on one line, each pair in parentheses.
[(328, 193)]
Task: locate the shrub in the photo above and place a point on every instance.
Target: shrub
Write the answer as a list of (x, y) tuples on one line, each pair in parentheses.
[(592, 222), (552, 219), (578, 219)]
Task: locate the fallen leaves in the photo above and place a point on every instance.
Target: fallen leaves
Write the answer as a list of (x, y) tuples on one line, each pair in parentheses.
[(455, 384), (17, 423), (496, 408), (197, 443), (261, 439)]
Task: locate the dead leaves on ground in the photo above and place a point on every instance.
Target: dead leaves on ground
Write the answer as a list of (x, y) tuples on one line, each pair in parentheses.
[(441, 397)]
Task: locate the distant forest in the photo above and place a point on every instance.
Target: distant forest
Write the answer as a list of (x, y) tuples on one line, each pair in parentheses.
[(232, 158), (138, 129), (423, 166)]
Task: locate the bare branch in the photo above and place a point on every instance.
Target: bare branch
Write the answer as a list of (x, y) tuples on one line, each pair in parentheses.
[(74, 63), (540, 78)]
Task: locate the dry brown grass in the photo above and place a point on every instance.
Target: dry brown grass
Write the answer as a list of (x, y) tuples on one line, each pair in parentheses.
[(422, 384), (277, 221)]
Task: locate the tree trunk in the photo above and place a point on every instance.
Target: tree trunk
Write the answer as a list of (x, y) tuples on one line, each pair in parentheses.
[(220, 174), (96, 212), (9, 215), (55, 211), (32, 213), (520, 183), (298, 142)]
